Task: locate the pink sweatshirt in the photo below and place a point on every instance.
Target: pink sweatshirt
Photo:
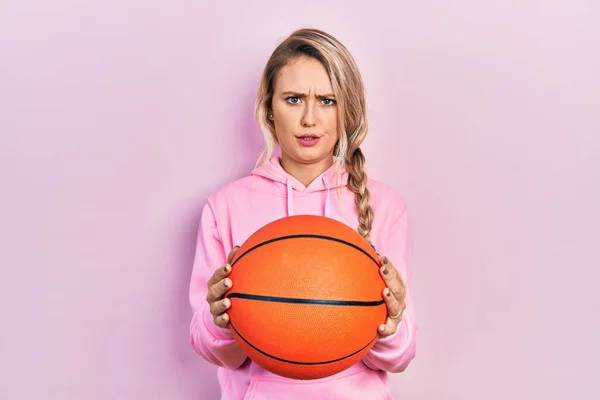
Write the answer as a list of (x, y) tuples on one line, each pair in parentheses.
[(240, 208)]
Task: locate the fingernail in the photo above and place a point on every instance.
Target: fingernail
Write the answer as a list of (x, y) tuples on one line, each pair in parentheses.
[(388, 292), (225, 303), (226, 283), (384, 260), (385, 271), (226, 268)]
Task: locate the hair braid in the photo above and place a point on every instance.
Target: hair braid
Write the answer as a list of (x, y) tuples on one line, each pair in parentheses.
[(357, 183)]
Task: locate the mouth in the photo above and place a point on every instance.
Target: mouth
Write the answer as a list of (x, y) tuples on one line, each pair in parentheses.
[(308, 138)]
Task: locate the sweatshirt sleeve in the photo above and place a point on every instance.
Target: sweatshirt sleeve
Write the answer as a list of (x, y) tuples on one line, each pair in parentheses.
[(395, 352), (213, 343)]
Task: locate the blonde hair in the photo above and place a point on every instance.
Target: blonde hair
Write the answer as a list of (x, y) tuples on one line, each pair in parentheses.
[(348, 88)]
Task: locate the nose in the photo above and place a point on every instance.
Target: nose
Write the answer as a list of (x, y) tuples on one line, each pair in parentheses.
[(309, 118)]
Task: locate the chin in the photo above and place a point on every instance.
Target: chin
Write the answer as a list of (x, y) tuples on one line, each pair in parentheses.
[(311, 155)]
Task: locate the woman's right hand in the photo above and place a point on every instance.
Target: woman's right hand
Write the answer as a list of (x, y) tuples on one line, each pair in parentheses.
[(218, 284)]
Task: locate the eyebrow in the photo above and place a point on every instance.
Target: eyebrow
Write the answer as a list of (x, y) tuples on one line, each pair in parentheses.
[(303, 95)]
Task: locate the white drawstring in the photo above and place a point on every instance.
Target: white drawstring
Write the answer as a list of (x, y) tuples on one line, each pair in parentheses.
[(326, 182), (290, 198)]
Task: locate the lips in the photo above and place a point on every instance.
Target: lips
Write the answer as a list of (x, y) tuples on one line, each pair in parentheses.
[(308, 137)]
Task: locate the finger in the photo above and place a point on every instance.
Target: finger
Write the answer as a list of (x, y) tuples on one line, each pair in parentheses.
[(393, 279), (216, 291), (389, 328), (220, 306), (222, 321), (232, 254), (395, 307), (219, 275)]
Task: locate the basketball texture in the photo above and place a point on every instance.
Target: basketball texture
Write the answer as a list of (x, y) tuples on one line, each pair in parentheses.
[(306, 299)]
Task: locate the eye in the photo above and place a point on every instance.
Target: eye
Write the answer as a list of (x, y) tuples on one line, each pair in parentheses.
[(328, 102), (293, 100)]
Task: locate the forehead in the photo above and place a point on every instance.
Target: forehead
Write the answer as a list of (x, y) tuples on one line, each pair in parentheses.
[(303, 74)]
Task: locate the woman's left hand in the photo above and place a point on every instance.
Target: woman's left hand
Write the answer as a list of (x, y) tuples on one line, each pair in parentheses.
[(394, 296)]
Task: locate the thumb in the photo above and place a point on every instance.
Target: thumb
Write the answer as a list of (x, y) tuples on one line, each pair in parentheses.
[(232, 254)]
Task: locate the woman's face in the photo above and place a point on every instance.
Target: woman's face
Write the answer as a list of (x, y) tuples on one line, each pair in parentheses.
[(304, 113)]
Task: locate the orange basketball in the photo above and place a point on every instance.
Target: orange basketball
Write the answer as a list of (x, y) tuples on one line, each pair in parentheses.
[(306, 299)]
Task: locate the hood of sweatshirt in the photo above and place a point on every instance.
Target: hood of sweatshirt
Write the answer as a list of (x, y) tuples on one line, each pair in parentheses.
[(332, 178)]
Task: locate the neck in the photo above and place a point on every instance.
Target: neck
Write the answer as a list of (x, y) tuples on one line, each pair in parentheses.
[(305, 173)]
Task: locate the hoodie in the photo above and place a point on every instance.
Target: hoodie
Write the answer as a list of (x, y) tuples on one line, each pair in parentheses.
[(232, 214)]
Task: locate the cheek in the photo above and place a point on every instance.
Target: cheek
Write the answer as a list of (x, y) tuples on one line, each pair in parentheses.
[(285, 122), (331, 122)]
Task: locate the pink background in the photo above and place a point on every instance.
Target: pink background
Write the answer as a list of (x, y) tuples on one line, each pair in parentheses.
[(117, 118)]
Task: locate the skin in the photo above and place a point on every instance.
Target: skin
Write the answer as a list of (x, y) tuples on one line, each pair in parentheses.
[(303, 102)]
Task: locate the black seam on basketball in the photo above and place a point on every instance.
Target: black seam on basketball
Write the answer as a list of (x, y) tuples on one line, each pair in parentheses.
[(300, 362), (333, 239), (306, 301)]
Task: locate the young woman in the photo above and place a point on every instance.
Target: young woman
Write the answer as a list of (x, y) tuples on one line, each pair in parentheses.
[(311, 104)]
